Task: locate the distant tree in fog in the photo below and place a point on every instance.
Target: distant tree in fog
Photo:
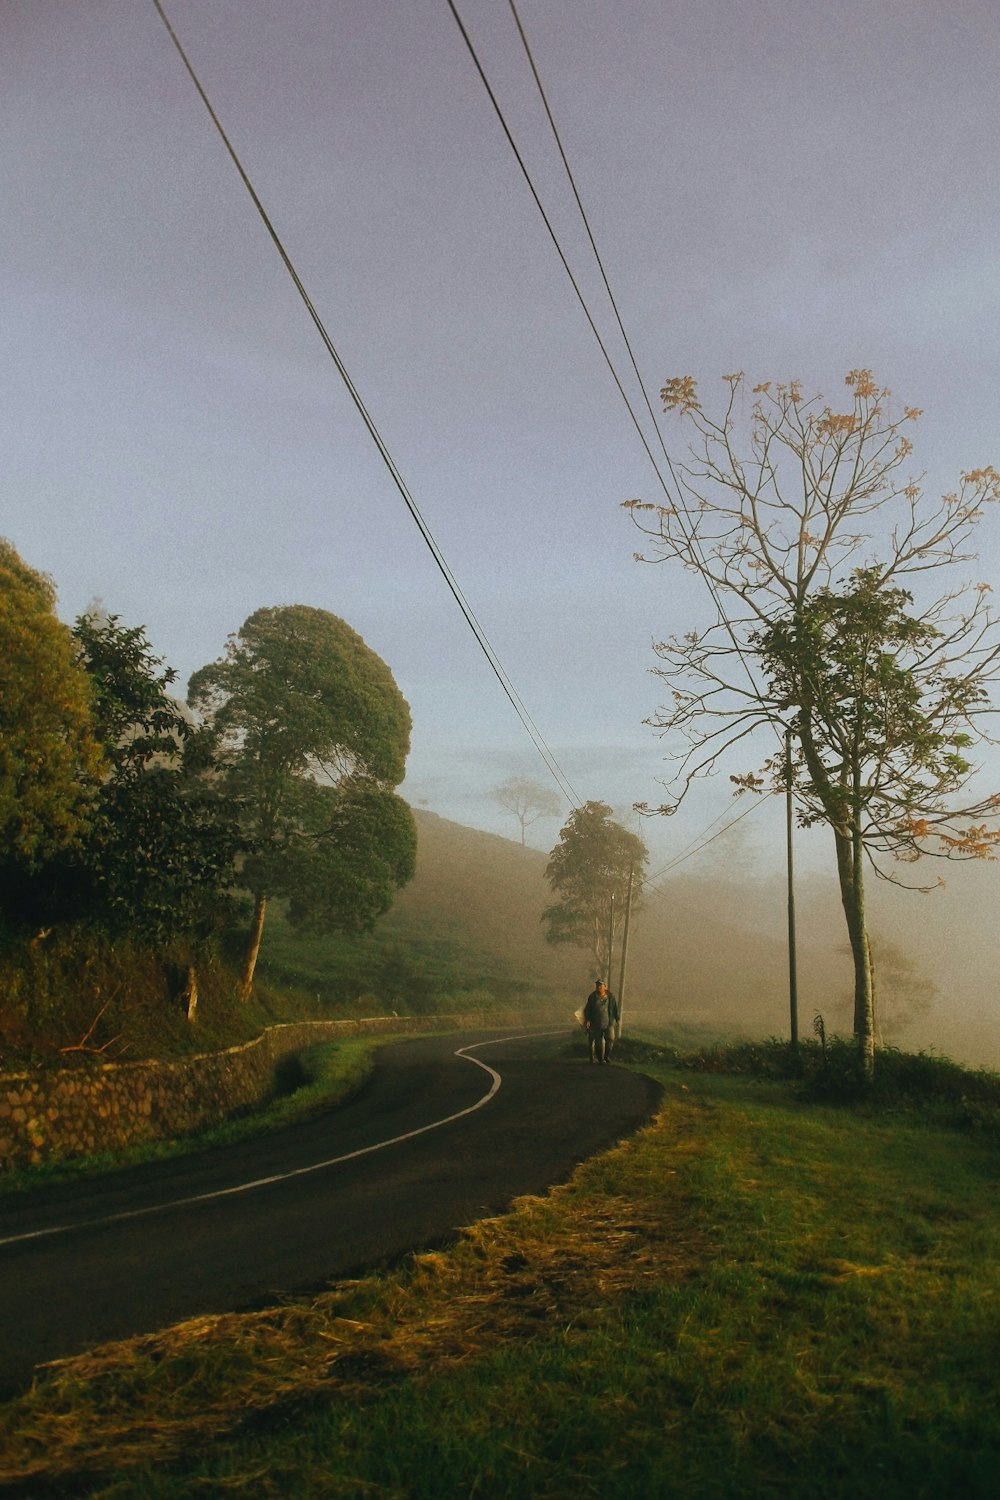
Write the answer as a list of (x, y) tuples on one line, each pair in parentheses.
[(903, 995), (813, 545), (528, 801), (588, 871)]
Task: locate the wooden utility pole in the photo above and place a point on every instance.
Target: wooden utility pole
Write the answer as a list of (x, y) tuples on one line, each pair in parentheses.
[(793, 990), (621, 971), (611, 938)]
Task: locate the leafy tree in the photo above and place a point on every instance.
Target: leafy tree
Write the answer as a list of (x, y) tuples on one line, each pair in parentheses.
[(883, 695), (49, 756), (158, 862), (311, 733), (879, 701), (588, 871), (528, 801), (904, 994), (134, 717)]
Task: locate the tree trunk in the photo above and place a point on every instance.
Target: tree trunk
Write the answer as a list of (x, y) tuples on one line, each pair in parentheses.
[(842, 804), (850, 869), (190, 993), (253, 946)]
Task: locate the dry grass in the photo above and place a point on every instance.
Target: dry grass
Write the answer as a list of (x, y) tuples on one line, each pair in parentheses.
[(547, 1263)]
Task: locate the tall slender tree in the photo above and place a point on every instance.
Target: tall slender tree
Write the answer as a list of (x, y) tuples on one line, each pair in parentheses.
[(588, 871), (158, 862), (817, 550)]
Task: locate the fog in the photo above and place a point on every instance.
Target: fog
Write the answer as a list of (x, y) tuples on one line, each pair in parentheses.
[(935, 951)]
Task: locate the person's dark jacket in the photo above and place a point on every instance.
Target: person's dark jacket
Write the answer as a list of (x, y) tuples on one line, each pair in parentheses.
[(600, 1011)]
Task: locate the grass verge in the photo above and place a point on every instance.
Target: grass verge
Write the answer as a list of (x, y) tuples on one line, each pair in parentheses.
[(752, 1296)]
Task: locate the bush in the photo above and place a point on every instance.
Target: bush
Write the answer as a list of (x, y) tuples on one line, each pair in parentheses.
[(772, 1058), (921, 1083)]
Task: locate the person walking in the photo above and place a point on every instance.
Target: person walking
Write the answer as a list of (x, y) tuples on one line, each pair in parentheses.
[(598, 1017)]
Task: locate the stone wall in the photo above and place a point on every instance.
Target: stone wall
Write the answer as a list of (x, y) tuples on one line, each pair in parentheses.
[(80, 1111)]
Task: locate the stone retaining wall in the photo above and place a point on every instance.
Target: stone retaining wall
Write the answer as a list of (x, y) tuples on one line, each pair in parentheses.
[(79, 1111)]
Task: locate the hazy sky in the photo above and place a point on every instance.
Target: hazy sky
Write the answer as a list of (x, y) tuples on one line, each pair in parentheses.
[(781, 186)]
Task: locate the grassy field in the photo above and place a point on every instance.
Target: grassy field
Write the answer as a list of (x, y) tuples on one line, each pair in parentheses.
[(756, 1295)]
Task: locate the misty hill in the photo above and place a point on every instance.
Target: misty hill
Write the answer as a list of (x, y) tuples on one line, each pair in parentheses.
[(470, 921), (710, 949)]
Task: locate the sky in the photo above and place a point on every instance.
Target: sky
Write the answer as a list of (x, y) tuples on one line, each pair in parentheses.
[(789, 188)]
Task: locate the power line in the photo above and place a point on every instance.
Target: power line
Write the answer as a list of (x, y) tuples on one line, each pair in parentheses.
[(690, 846), (678, 502), (552, 234), (696, 847), (528, 723), (597, 254), (682, 509)]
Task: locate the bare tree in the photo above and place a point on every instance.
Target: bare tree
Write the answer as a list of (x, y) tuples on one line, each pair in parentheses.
[(528, 801), (813, 545)]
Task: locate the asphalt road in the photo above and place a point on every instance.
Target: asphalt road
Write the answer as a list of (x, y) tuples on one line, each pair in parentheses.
[(448, 1129)]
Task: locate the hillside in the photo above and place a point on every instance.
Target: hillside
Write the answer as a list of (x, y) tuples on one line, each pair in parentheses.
[(708, 948), (470, 922)]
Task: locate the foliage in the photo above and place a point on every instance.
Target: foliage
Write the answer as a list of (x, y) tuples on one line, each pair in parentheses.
[(881, 702), (158, 862), (133, 717), (922, 1084), (355, 845), (588, 871), (311, 735), (814, 638), (527, 800), (49, 757)]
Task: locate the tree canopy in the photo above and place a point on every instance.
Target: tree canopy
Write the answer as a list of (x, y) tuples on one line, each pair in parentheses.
[(881, 702), (158, 860), (528, 801), (311, 734), (589, 871), (49, 756), (133, 716)]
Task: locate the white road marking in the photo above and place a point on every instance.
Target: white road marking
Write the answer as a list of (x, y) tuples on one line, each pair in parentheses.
[(318, 1166)]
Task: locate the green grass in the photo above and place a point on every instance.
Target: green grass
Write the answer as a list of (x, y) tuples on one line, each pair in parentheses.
[(332, 1071), (757, 1296), (408, 964)]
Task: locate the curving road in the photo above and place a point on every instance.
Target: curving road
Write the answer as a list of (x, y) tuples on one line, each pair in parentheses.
[(447, 1130)]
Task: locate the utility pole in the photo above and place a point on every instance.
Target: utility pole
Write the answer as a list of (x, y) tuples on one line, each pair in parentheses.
[(621, 972), (611, 937), (793, 991)]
